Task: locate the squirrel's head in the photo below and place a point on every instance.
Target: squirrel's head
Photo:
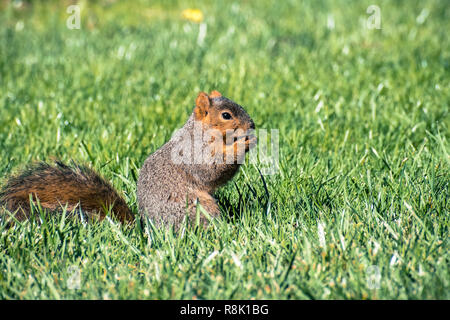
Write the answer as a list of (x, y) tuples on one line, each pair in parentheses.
[(230, 126), (218, 112)]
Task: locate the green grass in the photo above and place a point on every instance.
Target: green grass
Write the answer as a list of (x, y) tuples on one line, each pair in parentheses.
[(363, 118)]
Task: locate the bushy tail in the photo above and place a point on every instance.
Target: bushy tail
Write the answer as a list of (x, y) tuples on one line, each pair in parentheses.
[(58, 185)]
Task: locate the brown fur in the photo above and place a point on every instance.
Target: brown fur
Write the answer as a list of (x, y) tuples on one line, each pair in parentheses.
[(211, 117), (215, 94), (57, 186)]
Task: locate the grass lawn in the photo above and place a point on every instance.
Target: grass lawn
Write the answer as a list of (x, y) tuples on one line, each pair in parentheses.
[(359, 208)]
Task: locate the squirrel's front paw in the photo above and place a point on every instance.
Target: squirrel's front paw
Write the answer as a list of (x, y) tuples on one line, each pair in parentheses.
[(240, 146), (250, 142)]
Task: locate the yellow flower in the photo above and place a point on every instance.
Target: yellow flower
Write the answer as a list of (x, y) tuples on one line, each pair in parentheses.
[(194, 15)]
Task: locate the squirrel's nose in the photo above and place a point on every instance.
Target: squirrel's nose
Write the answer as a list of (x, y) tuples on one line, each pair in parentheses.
[(252, 125)]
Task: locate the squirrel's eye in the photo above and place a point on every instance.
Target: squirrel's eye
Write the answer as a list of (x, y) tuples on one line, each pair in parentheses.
[(226, 116)]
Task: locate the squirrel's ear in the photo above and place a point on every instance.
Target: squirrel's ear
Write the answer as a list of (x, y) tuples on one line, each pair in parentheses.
[(215, 94), (202, 105)]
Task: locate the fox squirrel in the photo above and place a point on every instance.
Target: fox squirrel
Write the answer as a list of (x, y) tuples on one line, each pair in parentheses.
[(183, 172)]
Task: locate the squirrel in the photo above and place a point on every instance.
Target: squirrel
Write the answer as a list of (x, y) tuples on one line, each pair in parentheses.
[(200, 157)]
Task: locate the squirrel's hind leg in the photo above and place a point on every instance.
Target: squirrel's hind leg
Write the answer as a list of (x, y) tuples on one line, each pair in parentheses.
[(208, 203), (174, 211)]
